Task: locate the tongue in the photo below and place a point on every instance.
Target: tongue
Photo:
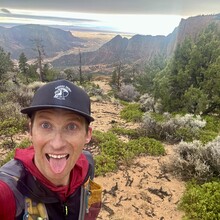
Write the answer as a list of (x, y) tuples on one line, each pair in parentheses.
[(57, 165)]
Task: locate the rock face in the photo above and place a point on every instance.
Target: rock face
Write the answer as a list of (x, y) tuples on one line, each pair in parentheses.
[(141, 48), (192, 26)]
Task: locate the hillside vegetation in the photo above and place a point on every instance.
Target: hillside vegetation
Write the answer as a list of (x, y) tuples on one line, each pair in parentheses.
[(173, 101)]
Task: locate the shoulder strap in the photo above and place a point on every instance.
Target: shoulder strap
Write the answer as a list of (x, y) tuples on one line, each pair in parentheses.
[(91, 192), (91, 161)]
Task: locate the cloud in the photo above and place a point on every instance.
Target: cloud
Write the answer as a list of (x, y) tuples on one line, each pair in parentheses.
[(154, 17), (4, 10), (173, 7)]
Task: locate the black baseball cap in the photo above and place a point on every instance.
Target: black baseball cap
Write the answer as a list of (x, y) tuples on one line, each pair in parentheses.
[(61, 94)]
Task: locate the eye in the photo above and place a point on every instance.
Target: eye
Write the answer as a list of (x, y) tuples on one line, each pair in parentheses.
[(46, 125), (71, 127)]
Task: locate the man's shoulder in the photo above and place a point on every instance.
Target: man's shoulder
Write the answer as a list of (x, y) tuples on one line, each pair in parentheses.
[(10, 173), (13, 168)]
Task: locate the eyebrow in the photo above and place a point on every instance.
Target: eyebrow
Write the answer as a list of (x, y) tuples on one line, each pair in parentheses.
[(72, 116)]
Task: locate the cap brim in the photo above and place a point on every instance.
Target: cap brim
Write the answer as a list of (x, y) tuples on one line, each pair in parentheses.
[(30, 110)]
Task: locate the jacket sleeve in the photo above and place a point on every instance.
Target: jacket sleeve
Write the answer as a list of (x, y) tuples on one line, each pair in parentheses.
[(7, 201)]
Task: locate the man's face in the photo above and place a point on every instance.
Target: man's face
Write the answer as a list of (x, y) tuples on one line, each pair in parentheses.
[(58, 137)]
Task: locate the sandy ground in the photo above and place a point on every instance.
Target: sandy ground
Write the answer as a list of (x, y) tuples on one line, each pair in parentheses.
[(140, 190)]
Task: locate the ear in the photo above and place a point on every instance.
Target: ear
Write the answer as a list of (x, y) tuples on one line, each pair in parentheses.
[(30, 128), (89, 135)]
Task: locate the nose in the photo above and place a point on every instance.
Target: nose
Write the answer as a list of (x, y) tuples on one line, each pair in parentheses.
[(57, 141)]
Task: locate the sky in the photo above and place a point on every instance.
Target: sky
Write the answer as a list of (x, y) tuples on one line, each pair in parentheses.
[(147, 17)]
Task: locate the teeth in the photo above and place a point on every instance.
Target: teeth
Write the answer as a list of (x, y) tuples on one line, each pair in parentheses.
[(55, 156)]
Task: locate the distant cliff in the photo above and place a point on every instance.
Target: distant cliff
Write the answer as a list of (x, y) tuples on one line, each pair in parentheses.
[(140, 48), (22, 38)]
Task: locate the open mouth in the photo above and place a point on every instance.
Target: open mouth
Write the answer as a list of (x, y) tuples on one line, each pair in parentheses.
[(57, 156), (57, 162)]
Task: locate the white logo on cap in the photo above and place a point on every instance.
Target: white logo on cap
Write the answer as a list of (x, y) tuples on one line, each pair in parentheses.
[(61, 92)]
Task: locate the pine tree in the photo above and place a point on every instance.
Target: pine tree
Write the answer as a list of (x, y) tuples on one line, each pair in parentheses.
[(6, 65), (23, 66)]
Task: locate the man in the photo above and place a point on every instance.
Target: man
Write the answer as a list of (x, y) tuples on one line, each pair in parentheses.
[(52, 178)]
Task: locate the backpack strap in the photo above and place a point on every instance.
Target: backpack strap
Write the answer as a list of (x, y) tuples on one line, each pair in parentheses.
[(90, 200)]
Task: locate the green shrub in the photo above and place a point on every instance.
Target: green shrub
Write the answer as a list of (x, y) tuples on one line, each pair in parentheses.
[(111, 151), (17, 96), (100, 138), (132, 113), (113, 148), (10, 127), (211, 130), (130, 133), (124, 103), (9, 156), (206, 136), (23, 144), (115, 152), (186, 134), (8, 144), (109, 144), (147, 146), (212, 123), (93, 89), (160, 117), (104, 164), (9, 109), (201, 202)]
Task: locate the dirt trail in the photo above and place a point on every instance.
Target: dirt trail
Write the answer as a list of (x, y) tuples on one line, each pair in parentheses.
[(140, 190)]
